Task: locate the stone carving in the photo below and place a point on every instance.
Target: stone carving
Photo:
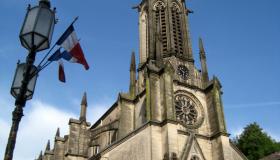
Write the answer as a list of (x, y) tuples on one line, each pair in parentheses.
[(189, 111), (159, 5), (185, 110), (175, 7)]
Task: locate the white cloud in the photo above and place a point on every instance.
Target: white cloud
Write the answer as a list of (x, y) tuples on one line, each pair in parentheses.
[(38, 125), (3, 135), (236, 132)]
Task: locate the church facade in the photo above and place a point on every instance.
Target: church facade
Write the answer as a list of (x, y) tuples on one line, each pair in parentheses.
[(172, 111)]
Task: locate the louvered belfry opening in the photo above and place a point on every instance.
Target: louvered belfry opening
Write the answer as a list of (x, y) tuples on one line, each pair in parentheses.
[(161, 27), (177, 30)]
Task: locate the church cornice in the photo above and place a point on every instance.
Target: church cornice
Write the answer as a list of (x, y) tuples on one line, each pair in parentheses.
[(76, 121), (57, 139), (75, 155), (142, 66), (189, 86), (49, 153), (206, 137), (212, 83)]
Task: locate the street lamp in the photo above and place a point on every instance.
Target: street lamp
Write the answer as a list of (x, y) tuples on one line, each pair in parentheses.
[(36, 32), (35, 36), (18, 78)]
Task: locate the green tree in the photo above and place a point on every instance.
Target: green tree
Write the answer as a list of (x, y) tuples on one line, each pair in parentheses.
[(255, 143)]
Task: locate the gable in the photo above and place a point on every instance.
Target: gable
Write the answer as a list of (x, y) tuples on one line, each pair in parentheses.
[(192, 150)]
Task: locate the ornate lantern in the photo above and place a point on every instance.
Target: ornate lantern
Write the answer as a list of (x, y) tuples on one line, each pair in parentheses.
[(19, 76), (36, 32)]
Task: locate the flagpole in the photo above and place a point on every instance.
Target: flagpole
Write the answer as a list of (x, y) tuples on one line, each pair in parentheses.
[(76, 18), (47, 63), (46, 56)]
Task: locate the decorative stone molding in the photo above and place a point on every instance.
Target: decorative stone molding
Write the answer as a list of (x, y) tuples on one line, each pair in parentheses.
[(175, 7), (196, 106), (159, 5)]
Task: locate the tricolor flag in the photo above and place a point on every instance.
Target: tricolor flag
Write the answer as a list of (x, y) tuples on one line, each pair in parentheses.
[(73, 51), (61, 74)]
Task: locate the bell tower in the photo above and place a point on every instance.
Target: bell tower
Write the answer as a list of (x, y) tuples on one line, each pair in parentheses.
[(165, 38), (164, 32)]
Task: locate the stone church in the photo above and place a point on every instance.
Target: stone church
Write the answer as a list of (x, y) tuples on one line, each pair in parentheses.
[(172, 111)]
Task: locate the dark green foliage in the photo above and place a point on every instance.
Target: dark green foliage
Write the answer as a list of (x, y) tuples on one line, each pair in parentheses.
[(255, 143)]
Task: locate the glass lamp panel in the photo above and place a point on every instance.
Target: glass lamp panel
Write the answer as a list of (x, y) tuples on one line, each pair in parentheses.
[(44, 22), (17, 80), (19, 75), (43, 46), (43, 28), (38, 40), (51, 30), (27, 40), (30, 20)]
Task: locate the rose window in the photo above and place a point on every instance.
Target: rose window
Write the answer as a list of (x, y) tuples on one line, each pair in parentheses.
[(186, 110)]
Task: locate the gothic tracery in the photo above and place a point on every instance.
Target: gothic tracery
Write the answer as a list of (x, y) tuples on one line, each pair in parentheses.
[(176, 27), (160, 23)]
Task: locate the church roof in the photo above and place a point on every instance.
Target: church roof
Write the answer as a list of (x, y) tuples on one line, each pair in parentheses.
[(274, 156)]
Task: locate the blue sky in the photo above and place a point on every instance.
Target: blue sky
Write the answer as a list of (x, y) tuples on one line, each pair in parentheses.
[(241, 39)]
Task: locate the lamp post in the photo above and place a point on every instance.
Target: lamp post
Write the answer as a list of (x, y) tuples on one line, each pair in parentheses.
[(35, 35)]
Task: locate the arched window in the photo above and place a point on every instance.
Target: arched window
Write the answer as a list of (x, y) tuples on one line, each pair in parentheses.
[(160, 19), (195, 158), (177, 29)]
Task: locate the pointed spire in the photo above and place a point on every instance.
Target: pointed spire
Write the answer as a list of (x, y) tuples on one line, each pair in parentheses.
[(202, 56), (84, 100), (133, 62), (48, 147), (132, 86), (83, 113), (201, 47), (57, 133)]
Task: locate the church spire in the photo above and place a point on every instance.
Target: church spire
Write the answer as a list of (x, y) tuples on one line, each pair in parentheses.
[(57, 133), (48, 147), (40, 156), (202, 56), (133, 62), (132, 86), (83, 108), (201, 46)]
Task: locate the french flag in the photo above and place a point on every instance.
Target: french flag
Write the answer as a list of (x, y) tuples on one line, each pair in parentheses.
[(73, 51), (61, 74)]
